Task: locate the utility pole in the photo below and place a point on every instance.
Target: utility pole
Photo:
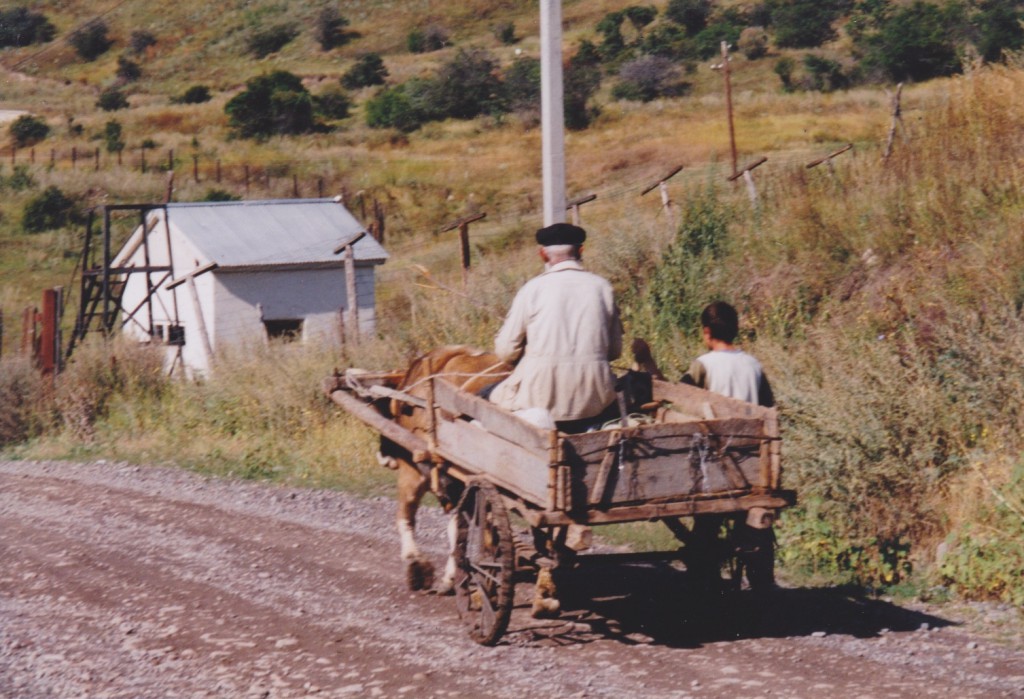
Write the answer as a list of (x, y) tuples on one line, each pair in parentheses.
[(552, 111), (728, 103)]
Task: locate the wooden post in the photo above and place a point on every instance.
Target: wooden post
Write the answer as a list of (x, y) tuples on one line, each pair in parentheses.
[(575, 205), (142, 159), (320, 187), (295, 185), (190, 280), (170, 160), (463, 225), (246, 171), (53, 158), (74, 157), (897, 120), (170, 186), (195, 167), (351, 289), (119, 151), (218, 171), (97, 167), (749, 179), (728, 102), (32, 156), (666, 202)]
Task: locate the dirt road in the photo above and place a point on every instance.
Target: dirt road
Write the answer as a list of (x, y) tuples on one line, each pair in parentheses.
[(125, 581)]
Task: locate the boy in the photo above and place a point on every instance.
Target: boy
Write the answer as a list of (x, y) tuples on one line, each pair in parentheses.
[(726, 369)]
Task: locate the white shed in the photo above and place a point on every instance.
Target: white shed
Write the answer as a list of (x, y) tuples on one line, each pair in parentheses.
[(273, 272)]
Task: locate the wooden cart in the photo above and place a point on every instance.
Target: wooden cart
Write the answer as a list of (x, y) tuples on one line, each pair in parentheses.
[(692, 454)]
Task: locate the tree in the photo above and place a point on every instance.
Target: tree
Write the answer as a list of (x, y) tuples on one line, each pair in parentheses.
[(581, 80), (784, 69), (804, 23), (112, 133), (368, 70), (112, 99), (753, 42), (646, 78), (824, 74), (468, 86), (393, 108), (49, 210), (22, 27), (128, 70), (522, 84), (270, 105), (999, 29), (333, 103), (27, 130), (263, 42), (197, 94), (141, 40), (330, 28), (431, 38), (912, 43), (91, 41), (692, 15)]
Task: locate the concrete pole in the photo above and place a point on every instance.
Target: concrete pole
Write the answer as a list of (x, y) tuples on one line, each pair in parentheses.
[(552, 111)]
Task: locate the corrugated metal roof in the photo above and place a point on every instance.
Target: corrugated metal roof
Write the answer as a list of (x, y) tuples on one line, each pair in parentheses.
[(272, 232)]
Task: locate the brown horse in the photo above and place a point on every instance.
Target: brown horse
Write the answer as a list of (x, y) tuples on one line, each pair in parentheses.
[(471, 370)]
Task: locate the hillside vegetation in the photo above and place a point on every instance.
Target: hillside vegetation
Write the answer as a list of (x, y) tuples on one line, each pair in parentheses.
[(882, 293)]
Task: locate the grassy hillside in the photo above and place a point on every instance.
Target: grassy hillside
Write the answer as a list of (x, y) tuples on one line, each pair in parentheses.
[(884, 296)]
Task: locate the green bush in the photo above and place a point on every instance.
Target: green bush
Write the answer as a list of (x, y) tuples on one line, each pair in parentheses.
[(128, 70), (91, 41), (393, 108), (219, 195), (330, 29), (20, 179), (140, 40), (112, 99), (112, 135), (581, 81), (49, 210), (197, 94), (22, 27), (999, 29), (431, 38), (333, 103), (467, 86), (648, 77), (263, 42), (753, 42), (27, 130), (367, 71), (23, 400), (692, 15), (522, 84), (505, 32), (784, 68), (824, 74), (803, 23), (914, 42), (274, 104)]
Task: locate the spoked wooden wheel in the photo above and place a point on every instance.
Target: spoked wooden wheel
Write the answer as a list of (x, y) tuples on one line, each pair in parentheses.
[(484, 556)]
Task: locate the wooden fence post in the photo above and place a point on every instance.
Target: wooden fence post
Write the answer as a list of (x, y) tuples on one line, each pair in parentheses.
[(666, 202), (897, 120), (575, 204), (97, 165), (351, 289), (749, 179), (463, 225), (218, 171), (295, 185), (246, 172), (195, 167)]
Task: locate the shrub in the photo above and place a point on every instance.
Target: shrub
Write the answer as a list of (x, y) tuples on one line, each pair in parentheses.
[(330, 28), (431, 38), (669, 41), (23, 403), (22, 27), (333, 103), (581, 80), (912, 43), (753, 42), (784, 69), (128, 70), (272, 104), (393, 108), (263, 42), (467, 86), (91, 41), (505, 32), (368, 70), (220, 195), (999, 29), (197, 94), (20, 179), (140, 40), (49, 210), (824, 74), (112, 133), (112, 99), (803, 23), (708, 42), (28, 130), (692, 15), (646, 78), (522, 84)]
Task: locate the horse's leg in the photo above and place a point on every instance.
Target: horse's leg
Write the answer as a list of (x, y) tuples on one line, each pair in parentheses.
[(447, 584), (412, 486)]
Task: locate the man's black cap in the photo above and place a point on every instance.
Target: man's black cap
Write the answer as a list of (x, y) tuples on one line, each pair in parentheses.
[(561, 234)]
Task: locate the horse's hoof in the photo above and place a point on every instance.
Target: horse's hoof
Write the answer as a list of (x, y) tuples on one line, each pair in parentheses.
[(445, 588), (547, 608), (419, 574)]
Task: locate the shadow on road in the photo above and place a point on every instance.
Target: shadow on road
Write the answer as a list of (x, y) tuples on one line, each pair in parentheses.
[(656, 603)]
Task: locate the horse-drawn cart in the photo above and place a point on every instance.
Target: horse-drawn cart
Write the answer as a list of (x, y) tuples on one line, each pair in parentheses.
[(685, 453)]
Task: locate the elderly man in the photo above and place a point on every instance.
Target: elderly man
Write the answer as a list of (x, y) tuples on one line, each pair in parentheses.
[(563, 329)]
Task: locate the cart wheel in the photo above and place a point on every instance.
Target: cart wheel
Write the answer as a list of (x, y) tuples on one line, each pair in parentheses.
[(484, 557)]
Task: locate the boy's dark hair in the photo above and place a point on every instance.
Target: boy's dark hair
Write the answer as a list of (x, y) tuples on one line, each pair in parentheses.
[(723, 321)]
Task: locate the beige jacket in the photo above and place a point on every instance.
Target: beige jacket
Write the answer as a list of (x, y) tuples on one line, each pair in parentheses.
[(563, 328)]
